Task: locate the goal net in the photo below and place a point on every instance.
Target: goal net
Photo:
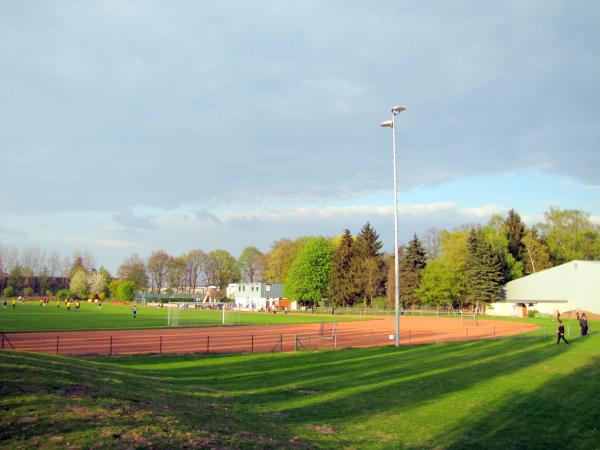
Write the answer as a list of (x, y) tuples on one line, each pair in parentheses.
[(184, 314)]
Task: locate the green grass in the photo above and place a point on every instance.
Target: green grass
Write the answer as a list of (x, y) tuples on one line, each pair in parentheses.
[(509, 393), (31, 316)]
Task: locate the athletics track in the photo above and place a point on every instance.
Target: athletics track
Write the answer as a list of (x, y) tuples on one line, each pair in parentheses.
[(262, 339)]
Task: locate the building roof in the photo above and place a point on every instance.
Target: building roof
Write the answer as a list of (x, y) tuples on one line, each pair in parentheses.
[(577, 282)]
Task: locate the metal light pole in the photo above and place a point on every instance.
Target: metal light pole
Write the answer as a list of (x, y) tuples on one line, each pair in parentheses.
[(392, 124)]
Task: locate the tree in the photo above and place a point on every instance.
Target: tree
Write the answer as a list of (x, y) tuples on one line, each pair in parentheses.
[(496, 233), (483, 270), (9, 292), (536, 252), (515, 233), (433, 243), (79, 283), (157, 267), (251, 264), (278, 261), (97, 282), (342, 279), (370, 266), (439, 284), (196, 263), (133, 269), (54, 264), (126, 291), (570, 235), (308, 276), (15, 278), (177, 274), (413, 262), (222, 268)]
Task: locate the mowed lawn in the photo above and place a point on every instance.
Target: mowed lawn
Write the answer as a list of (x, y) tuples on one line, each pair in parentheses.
[(31, 316), (511, 393)]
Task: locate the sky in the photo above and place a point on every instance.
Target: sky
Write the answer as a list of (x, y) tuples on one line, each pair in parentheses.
[(134, 126)]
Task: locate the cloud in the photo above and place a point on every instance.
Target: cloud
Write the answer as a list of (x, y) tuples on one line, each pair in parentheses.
[(147, 105), (128, 219)]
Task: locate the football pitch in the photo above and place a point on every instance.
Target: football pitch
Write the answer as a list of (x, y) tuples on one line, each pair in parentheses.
[(30, 316), (510, 393)]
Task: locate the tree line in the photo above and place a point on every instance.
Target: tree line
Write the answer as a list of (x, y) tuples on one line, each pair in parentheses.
[(466, 265)]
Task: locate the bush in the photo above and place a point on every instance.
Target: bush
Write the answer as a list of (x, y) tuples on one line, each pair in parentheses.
[(532, 313), (27, 292), (62, 294), (126, 291), (379, 303), (49, 293), (102, 295), (9, 291)]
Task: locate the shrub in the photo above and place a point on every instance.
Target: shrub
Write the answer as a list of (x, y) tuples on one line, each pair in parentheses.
[(102, 295), (9, 291), (62, 294), (27, 292), (113, 288), (532, 313), (49, 293), (126, 291)]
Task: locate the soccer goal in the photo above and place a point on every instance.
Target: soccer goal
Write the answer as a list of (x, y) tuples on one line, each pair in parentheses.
[(185, 314)]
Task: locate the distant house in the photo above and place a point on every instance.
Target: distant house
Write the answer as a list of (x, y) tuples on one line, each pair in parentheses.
[(256, 296), (570, 287)]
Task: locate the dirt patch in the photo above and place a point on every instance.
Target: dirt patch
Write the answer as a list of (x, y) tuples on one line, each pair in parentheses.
[(75, 392), (27, 419), (322, 429), (81, 411)]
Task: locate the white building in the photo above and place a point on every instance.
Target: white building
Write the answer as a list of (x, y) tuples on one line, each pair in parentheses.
[(257, 296), (574, 286)]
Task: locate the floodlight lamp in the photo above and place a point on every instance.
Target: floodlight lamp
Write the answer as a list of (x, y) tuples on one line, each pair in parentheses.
[(397, 109), (387, 124)]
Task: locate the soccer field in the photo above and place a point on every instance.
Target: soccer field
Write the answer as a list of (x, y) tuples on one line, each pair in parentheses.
[(511, 394), (31, 316)]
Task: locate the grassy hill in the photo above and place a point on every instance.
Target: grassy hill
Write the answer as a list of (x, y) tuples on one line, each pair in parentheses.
[(510, 393)]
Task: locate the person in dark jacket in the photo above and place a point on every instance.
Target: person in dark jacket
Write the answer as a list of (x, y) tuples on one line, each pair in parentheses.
[(560, 333), (583, 324)]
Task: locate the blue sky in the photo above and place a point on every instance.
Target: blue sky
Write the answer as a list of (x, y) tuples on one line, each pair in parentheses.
[(129, 126)]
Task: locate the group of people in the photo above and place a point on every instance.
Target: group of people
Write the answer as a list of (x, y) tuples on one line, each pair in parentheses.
[(560, 332)]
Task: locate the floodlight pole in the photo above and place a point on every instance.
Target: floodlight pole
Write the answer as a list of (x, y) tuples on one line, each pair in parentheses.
[(392, 124)]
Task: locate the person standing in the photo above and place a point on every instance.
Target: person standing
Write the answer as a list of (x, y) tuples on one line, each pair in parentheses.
[(14, 304), (583, 323), (560, 333), (134, 311), (4, 304)]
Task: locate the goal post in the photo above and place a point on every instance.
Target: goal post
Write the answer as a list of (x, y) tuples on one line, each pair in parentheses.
[(190, 314)]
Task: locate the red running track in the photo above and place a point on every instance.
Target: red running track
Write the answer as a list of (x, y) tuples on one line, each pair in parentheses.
[(261, 339)]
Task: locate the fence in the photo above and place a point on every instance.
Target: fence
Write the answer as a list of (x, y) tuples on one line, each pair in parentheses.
[(326, 336), (386, 312)]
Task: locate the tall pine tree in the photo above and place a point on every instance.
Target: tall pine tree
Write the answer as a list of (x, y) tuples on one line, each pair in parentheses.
[(483, 270), (515, 233), (369, 265), (414, 260), (342, 279)]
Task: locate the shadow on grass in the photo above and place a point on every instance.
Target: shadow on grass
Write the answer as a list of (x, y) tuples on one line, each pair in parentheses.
[(54, 402), (564, 413), (342, 387)]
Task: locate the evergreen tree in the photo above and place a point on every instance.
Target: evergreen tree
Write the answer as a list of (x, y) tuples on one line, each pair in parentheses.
[(515, 233), (370, 244), (483, 270), (342, 280), (369, 265), (414, 260)]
